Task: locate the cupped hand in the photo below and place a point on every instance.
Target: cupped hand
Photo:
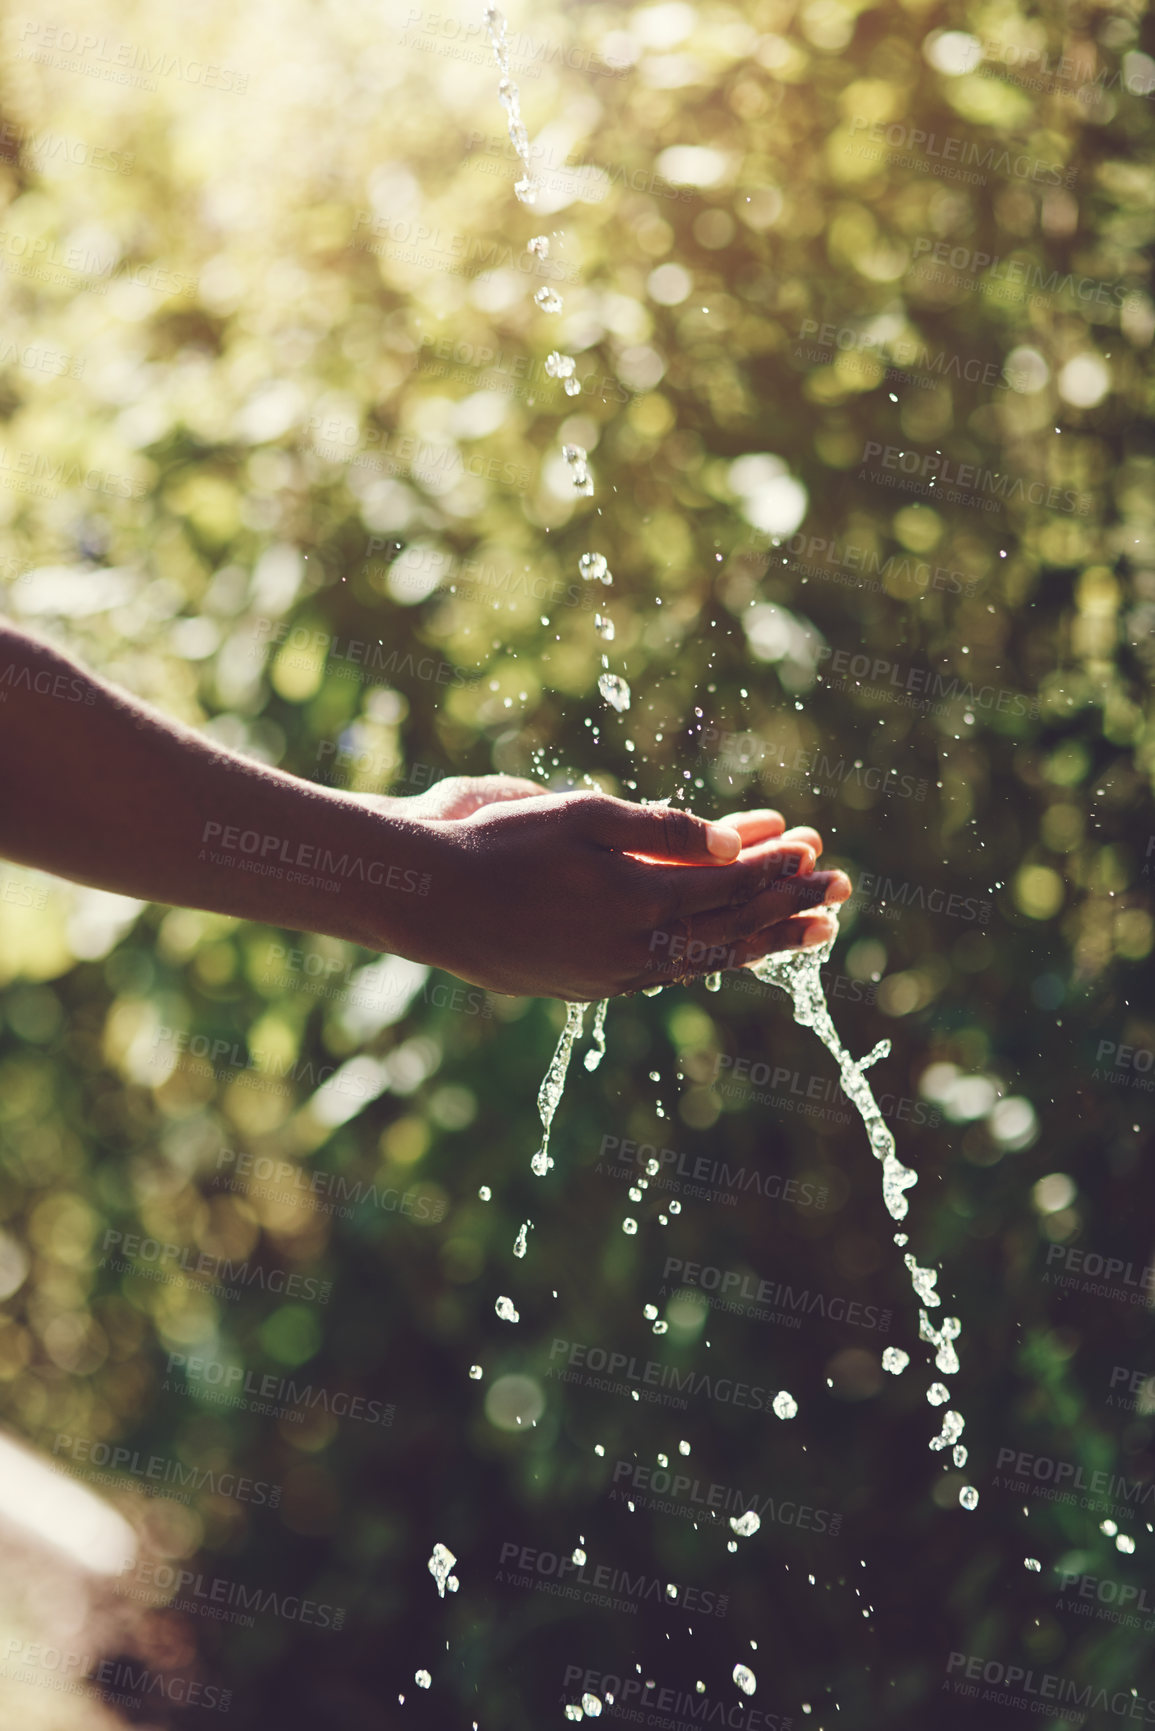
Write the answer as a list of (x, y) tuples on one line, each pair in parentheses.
[(583, 896)]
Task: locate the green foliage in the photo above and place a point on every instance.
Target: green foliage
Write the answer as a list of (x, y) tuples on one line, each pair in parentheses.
[(281, 455)]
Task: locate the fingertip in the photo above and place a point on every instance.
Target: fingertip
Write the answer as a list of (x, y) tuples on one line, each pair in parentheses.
[(723, 842)]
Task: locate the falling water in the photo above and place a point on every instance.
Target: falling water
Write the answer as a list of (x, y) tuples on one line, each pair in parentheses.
[(797, 972)]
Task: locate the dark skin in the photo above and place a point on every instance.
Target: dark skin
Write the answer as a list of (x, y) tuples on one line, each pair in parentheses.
[(578, 896)]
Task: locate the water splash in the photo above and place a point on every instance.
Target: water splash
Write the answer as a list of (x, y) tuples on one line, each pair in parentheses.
[(553, 1085), (615, 691), (798, 973), (441, 1567), (527, 188)]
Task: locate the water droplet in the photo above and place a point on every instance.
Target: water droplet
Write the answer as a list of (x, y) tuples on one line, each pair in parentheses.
[(559, 366), (538, 246), (572, 387), (615, 691), (937, 1394), (548, 300), (592, 1705), (604, 627), (440, 1566), (579, 1557), (895, 1360), (713, 982), (785, 1405), (629, 1226), (506, 1310), (1033, 1564), (422, 1679), (578, 459), (519, 1247), (683, 1448), (485, 1193), (1125, 1544), (745, 1679), (476, 1372), (593, 566), (969, 1497), (745, 1525)]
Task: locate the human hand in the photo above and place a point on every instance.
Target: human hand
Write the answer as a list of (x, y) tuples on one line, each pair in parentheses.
[(576, 895)]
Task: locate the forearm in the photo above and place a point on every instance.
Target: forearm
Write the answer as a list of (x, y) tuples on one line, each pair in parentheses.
[(98, 787)]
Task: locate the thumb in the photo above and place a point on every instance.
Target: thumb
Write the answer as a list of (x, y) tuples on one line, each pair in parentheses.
[(663, 832)]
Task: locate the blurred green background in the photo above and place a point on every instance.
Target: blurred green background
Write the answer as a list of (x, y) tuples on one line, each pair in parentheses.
[(861, 312)]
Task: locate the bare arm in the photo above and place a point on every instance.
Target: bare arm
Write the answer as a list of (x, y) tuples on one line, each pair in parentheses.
[(539, 894)]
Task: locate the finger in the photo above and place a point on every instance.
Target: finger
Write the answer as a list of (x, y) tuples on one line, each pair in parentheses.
[(755, 826), (690, 891), (803, 832), (662, 832)]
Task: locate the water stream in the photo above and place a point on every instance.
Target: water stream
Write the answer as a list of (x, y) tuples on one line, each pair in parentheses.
[(795, 972)]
